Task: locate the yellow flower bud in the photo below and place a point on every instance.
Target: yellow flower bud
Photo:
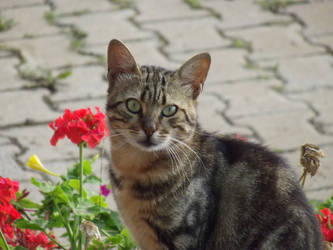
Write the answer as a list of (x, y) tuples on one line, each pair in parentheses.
[(35, 164)]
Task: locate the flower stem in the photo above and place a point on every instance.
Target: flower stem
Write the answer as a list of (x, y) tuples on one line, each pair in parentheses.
[(81, 191), (54, 240), (5, 245)]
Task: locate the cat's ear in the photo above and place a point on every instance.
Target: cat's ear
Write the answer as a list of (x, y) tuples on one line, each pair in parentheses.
[(194, 72), (120, 60)]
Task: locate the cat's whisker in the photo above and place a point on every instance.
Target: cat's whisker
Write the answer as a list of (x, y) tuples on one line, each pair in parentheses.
[(189, 148), (177, 147), (179, 161)]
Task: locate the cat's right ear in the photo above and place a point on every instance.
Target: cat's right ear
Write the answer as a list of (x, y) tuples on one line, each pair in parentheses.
[(120, 60)]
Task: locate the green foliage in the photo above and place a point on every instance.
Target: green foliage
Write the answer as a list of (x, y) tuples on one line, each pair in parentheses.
[(320, 205), (195, 4), (6, 24), (63, 207), (275, 5), (50, 17), (41, 77)]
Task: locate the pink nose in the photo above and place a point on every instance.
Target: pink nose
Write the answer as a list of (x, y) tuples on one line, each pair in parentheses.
[(149, 130)]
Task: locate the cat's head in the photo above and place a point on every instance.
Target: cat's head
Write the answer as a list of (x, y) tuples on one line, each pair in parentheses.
[(150, 107)]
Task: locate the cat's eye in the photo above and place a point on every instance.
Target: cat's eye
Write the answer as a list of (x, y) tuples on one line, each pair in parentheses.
[(169, 110), (133, 106)]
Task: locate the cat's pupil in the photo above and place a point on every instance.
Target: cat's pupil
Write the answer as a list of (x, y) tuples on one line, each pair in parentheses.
[(169, 110), (133, 105)]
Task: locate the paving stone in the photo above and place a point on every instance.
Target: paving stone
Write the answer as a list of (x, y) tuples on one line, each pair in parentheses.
[(9, 78), (82, 6), (275, 41), (321, 100), (226, 65), (80, 104), (145, 52), (25, 24), (316, 15), (304, 73), (84, 82), (19, 106), (183, 35), (285, 131), (239, 14), (49, 52), (320, 186), (210, 110), (18, 3), (152, 11), (255, 98), (36, 140), (326, 40), (101, 27)]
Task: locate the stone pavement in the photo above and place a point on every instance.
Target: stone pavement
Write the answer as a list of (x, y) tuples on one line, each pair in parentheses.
[(271, 78)]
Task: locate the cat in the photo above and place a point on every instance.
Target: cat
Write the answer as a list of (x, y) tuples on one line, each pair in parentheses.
[(179, 187)]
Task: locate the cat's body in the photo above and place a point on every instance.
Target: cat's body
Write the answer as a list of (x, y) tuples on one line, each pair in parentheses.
[(178, 187)]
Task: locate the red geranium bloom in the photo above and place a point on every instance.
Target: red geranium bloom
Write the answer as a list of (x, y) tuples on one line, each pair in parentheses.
[(326, 223), (80, 125), (8, 189)]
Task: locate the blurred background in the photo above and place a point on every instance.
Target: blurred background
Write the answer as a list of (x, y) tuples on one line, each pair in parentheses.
[(271, 78)]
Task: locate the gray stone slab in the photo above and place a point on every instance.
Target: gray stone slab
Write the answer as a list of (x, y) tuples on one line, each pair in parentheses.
[(82, 6), (36, 140), (320, 186), (83, 103), (317, 15), (187, 35), (18, 3), (239, 14), (17, 107), (84, 82), (326, 40), (279, 41), (101, 27), (49, 52), (226, 65), (210, 110), (305, 73), (152, 11), (28, 21), (285, 131), (321, 100), (145, 52), (9, 78), (256, 98)]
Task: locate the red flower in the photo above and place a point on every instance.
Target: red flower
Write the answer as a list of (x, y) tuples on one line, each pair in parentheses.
[(8, 189), (80, 125), (326, 223)]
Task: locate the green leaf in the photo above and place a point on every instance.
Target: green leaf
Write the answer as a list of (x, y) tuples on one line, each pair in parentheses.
[(87, 169), (37, 225), (92, 179), (3, 244), (64, 74), (20, 248), (75, 183), (83, 208), (45, 187), (26, 203), (60, 195), (99, 200)]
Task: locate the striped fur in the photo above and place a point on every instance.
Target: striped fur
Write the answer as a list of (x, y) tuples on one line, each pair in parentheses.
[(179, 187)]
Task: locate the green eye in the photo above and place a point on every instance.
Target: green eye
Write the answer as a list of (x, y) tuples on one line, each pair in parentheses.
[(133, 106), (169, 110)]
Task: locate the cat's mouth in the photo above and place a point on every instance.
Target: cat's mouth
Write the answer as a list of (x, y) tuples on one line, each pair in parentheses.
[(147, 143)]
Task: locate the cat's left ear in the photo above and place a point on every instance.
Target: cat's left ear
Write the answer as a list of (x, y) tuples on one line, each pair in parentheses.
[(194, 72)]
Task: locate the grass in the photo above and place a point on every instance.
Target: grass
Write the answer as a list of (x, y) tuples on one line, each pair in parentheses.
[(78, 39), (50, 17), (6, 24), (41, 77), (195, 4), (275, 5), (241, 44)]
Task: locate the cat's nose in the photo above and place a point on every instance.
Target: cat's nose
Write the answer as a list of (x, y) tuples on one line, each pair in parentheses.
[(149, 130), (149, 127)]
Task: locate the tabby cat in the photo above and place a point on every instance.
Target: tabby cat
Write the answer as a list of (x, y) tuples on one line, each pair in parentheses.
[(178, 187)]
